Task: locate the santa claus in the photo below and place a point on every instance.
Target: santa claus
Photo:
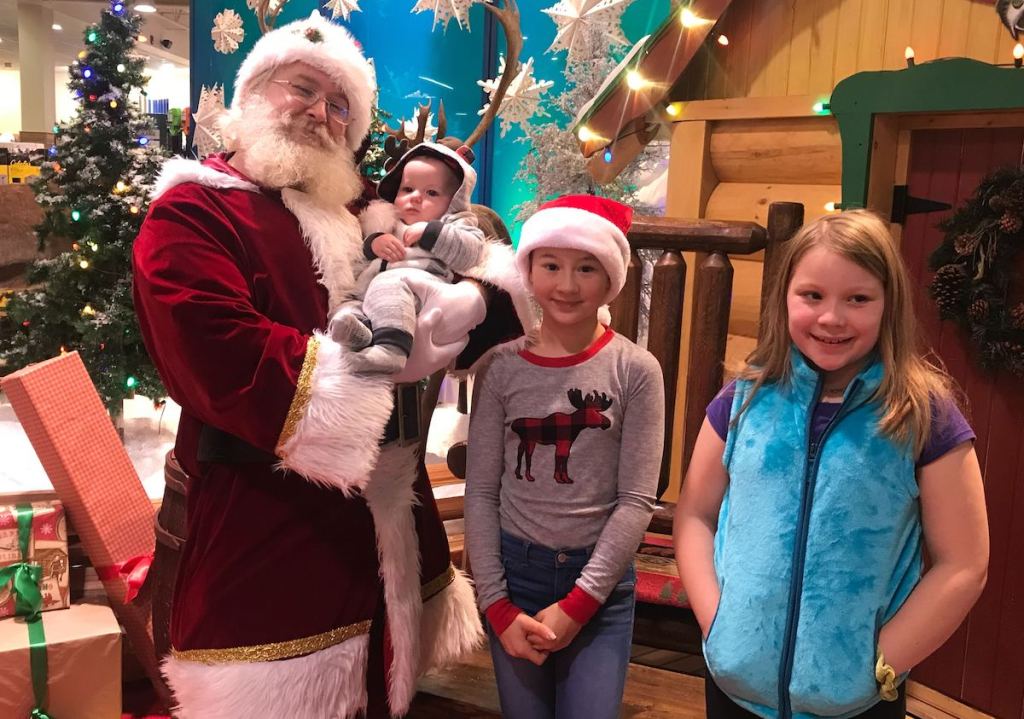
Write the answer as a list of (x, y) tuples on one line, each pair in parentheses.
[(316, 579)]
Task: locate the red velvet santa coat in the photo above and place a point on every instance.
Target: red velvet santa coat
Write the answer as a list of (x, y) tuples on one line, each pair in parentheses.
[(232, 286)]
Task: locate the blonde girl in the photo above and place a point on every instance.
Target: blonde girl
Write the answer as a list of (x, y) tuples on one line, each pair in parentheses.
[(818, 477)]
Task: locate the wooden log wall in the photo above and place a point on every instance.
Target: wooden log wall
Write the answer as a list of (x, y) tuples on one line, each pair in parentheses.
[(806, 47)]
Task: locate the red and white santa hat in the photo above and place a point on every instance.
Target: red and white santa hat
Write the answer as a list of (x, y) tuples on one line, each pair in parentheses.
[(326, 46), (580, 222)]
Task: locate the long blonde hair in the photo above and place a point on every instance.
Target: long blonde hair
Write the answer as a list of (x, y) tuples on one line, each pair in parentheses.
[(911, 381)]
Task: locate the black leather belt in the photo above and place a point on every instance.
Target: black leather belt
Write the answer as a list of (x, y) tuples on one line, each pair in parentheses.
[(406, 420), (403, 426)]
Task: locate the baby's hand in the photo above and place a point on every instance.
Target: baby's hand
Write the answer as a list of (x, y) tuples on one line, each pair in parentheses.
[(388, 247), (413, 233)]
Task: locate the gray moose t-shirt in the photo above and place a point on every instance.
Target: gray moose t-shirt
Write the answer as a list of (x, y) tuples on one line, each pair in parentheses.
[(564, 452)]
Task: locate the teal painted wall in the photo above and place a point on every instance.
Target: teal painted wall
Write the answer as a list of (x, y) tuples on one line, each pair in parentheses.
[(405, 51)]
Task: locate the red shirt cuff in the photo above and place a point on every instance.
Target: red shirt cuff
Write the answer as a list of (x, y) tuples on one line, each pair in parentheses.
[(580, 606), (501, 614)]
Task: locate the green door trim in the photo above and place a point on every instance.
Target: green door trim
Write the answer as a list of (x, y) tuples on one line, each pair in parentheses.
[(950, 85)]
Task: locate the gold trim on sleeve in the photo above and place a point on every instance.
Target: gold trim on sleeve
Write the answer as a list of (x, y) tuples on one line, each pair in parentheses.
[(276, 650), (303, 393), (438, 583)]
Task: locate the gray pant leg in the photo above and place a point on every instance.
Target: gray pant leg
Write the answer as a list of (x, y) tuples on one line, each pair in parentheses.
[(390, 304)]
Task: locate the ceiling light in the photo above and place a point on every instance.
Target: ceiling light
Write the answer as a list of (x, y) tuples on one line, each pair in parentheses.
[(144, 7), (57, 27)]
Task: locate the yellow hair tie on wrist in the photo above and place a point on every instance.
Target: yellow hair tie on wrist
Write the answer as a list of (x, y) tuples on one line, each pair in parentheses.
[(886, 678)]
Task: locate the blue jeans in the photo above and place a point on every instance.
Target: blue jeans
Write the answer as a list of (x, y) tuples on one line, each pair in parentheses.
[(586, 679)]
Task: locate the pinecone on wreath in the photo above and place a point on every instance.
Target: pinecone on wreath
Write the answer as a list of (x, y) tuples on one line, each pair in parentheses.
[(1010, 223), (947, 289), (1017, 316), (978, 311), (966, 243)]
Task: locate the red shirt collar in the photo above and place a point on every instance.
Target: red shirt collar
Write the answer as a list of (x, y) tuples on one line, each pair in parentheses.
[(570, 360)]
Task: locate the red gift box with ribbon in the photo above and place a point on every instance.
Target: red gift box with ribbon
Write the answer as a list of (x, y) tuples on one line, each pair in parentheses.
[(70, 430), (42, 528)]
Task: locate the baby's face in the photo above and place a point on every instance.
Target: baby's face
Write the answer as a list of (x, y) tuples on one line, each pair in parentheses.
[(426, 190)]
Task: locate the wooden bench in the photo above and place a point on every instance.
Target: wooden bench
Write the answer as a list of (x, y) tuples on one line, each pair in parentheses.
[(468, 690)]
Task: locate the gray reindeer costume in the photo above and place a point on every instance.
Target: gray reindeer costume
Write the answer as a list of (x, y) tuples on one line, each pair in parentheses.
[(379, 317)]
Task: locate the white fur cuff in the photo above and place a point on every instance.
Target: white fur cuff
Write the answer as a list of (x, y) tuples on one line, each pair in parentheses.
[(327, 683), (451, 625), (335, 441)]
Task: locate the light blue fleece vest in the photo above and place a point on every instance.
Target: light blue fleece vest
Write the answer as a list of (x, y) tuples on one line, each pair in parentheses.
[(813, 554)]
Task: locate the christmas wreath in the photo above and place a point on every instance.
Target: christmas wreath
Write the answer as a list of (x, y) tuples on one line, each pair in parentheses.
[(974, 269)]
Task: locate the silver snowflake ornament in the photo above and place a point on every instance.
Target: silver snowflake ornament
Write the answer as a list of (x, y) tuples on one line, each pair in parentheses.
[(580, 21), (521, 99), (207, 139), (445, 10), (341, 8), (227, 32)]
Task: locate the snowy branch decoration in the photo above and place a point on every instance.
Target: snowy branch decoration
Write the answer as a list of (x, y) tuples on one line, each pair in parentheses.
[(579, 21), (341, 8), (227, 32), (207, 139), (446, 10), (521, 98)]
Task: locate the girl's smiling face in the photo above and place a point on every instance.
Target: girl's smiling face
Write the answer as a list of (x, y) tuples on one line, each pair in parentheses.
[(835, 311), (569, 285)]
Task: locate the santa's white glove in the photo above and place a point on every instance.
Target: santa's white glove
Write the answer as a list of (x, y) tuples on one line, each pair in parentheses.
[(447, 313)]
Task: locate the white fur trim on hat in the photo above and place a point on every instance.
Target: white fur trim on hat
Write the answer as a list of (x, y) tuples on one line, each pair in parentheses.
[(575, 229), (326, 46)]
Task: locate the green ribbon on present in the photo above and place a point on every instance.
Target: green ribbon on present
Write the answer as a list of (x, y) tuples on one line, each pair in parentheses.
[(25, 577)]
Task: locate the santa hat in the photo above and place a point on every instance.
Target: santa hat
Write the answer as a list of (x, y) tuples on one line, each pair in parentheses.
[(580, 222), (326, 46)]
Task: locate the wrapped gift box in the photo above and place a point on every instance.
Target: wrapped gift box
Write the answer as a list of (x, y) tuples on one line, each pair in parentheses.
[(83, 653), (65, 420), (48, 547)]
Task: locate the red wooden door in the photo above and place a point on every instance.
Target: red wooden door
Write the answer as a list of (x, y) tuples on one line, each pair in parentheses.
[(983, 662)]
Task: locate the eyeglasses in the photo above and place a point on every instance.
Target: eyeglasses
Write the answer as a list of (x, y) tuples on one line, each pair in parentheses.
[(306, 97)]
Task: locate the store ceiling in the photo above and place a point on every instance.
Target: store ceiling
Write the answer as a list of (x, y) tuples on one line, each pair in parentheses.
[(170, 23)]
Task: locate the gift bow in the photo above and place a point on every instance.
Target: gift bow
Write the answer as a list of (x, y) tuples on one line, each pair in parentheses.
[(133, 571), (24, 579)]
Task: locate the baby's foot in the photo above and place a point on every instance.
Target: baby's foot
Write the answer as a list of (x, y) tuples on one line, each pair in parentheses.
[(348, 329), (385, 359)]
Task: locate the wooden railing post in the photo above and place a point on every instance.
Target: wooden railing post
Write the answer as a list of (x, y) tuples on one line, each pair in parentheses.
[(784, 219), (665, 330), (709, 327), (625, 310)]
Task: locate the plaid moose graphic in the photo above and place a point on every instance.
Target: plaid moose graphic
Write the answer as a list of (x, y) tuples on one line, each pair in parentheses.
[(561, 430)]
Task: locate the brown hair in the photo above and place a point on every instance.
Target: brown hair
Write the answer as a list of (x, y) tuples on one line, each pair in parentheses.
[(911, 381)]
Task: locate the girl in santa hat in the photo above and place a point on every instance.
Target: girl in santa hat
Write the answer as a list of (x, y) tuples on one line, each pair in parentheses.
[(564, 454)]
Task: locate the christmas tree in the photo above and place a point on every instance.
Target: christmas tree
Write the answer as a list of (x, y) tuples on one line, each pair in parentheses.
[(94, 189)]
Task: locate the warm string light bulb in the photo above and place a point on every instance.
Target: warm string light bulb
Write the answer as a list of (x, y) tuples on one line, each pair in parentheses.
[(690, 19), (635, 81), (584, 134), (84, 264), (88, 311), (1018, 55), (908, 55)]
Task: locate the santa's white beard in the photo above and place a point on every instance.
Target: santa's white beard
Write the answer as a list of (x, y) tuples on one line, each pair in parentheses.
[(281, 151)]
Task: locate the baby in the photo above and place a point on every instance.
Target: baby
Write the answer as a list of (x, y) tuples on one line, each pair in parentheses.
[(432, 230)]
